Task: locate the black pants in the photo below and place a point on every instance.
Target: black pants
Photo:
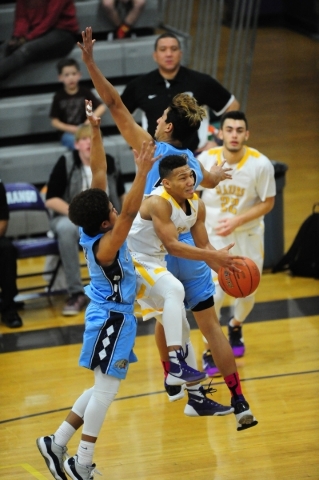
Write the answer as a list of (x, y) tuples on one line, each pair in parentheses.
[(8, 273), (54, 44)]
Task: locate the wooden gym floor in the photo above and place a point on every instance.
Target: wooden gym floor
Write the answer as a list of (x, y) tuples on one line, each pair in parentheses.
[(144, 436)]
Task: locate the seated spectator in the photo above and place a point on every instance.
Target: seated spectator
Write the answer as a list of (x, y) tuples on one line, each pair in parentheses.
[(71, 175), (133, 10), (8, 269), (42, 30), (68, 106)]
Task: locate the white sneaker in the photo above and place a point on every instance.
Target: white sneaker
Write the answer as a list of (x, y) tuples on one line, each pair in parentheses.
[(77, 471), (54, 456)]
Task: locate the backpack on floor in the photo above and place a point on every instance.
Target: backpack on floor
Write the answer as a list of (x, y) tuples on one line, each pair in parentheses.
[(302, 258)]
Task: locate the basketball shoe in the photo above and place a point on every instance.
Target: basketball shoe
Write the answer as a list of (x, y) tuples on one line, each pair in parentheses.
[(199, 405), (244, 417), (174, 392), (180, 372), (209, 365), (54, 455), (236, 340), (77, 471)]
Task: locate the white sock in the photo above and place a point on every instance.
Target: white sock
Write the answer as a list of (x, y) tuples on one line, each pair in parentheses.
[(194, 389), (85, 453), (173, 356), (63, 434)]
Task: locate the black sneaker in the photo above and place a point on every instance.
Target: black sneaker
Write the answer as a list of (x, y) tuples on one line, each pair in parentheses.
[(11, 319), (236, 340), (244, 417), (174, 392), (200, 405)]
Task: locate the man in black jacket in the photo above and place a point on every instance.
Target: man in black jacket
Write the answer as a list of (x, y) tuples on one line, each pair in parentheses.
[(153, 91)]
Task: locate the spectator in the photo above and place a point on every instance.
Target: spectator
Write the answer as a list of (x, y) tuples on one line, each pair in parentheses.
[(133, 10), (68, 108), (42, 30), (8, 268), (153, 91), (235, 212), (70, 175)]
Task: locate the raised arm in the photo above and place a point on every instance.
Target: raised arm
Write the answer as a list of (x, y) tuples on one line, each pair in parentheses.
[(130, 130), (113, 240), (97, 157)]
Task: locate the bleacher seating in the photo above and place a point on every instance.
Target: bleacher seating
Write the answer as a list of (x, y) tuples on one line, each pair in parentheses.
[(27, 116), (89, 13)]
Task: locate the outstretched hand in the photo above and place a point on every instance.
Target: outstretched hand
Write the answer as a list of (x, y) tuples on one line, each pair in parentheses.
[(145, 159), (92, 119), (220, 172), (87, 47)]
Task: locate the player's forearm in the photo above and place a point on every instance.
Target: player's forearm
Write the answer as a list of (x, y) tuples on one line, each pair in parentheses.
[(257, 211), (97, 163), (134, 197), (104, 88)]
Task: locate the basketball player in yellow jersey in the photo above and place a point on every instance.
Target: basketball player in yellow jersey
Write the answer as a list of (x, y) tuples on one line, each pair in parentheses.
[(234, 214)]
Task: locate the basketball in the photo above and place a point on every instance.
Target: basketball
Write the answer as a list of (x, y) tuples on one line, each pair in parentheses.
[(240, 284)]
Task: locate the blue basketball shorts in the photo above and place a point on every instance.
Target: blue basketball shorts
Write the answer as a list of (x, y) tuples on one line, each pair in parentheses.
[(196, 276), (108, 340)]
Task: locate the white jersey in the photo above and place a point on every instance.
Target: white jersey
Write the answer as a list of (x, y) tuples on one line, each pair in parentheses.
[(253, 180), (142, 237)]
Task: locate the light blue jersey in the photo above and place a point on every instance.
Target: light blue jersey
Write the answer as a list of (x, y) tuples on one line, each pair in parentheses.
[(110, 324), (165, 149), (116, 283)]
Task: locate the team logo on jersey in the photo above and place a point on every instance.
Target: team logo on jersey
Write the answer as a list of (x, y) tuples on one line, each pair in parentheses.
[(121, 364)]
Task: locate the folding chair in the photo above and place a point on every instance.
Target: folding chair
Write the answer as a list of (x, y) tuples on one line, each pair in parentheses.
[(29, 229)]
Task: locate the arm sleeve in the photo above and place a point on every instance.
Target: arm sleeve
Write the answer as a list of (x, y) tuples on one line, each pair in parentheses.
[(266, 184), (57, 183), (55, 110), (4, 209), (21, 25), (214, 95)]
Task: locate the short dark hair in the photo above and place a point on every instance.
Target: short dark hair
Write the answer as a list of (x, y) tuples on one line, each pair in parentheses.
[(234, 115), (169, 163), (67, 62), (167, 35), (89, 209)]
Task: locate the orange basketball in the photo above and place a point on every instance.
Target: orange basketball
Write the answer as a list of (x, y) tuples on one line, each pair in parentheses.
[(240, 284)]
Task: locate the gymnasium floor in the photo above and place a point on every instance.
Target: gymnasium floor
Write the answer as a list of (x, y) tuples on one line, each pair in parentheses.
[(144, 436)]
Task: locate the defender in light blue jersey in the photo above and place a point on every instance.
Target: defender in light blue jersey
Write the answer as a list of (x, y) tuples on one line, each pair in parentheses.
[(110, 324), (179, 120)]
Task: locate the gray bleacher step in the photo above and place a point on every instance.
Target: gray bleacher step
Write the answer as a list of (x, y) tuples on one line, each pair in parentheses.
[(29, 114), (117, 58), (33, 163)]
